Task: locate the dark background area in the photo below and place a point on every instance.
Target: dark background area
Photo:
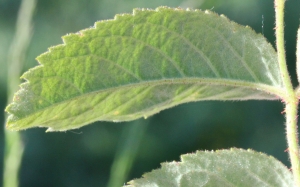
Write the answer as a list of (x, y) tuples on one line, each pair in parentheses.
[(84, 157)]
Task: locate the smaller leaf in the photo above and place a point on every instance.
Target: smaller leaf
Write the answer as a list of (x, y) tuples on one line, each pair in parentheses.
[(226, 168)]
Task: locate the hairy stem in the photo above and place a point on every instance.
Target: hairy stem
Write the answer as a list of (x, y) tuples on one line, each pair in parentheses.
[(298, 58), (13, 145), (290, 99)]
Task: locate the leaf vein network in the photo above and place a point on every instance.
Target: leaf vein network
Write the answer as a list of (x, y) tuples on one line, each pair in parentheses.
[(199, 51), (234, 51)]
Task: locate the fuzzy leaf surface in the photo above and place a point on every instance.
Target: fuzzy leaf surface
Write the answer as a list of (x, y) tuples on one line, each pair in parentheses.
[(139, 64), (223, 168)]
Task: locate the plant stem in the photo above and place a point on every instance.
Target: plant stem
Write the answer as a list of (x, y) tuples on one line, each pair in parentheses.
[(127, 152), (298, 57), (291, 100), (13, 145)]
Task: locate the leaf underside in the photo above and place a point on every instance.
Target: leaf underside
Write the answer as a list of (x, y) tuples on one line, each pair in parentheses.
[(223, 168), (137, 65)]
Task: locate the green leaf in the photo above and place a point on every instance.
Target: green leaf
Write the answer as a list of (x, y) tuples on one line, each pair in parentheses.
[(224, 168), (137, 65)]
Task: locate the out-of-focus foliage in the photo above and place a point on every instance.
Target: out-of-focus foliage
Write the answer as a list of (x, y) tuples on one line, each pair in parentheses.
[(83, 157)]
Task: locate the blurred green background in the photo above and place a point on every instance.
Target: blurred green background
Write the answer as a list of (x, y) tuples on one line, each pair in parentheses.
[(84, 157)]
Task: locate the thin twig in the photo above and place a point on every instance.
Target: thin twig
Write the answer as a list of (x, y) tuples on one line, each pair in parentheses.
[(13, 146)]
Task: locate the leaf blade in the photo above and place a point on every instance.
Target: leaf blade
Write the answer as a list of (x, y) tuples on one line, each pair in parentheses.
[(234, 167), (119, 70)]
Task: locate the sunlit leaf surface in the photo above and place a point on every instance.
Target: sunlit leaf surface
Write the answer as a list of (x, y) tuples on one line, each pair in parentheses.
[(139, 64), (223, 168)]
